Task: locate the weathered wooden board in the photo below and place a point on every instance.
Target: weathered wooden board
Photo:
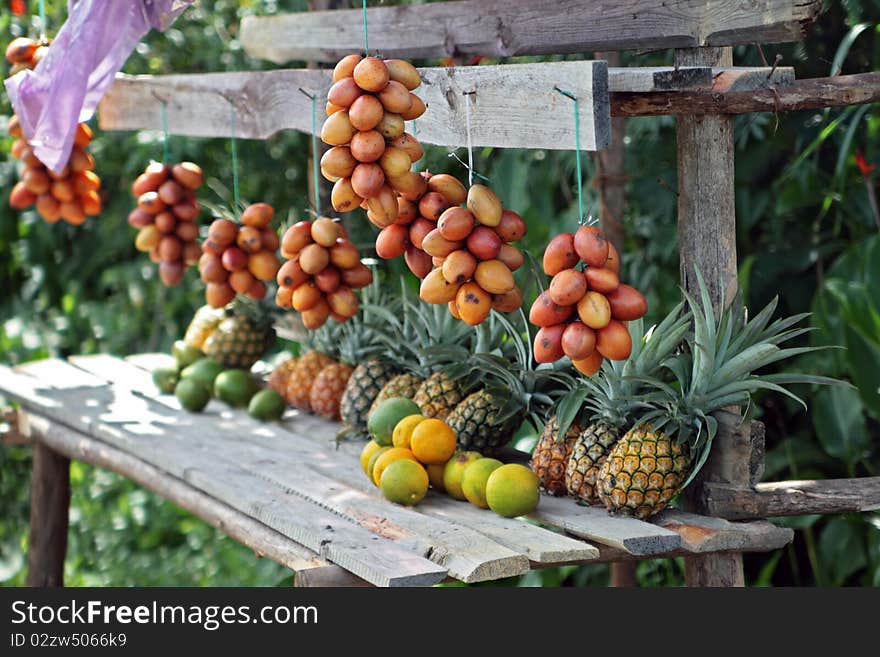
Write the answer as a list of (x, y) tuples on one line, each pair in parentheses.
[(503, 28), (593, 523), (514, 106), (793, 498), (333, 538), (703, 534)]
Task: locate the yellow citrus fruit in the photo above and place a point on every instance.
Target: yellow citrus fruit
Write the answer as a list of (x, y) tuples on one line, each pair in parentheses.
[(474, 478), (435, 475), (512, 490), (433, 441), (402, 433), (387, 458), (453, 470), (366, 454), (404, 482), (372, 462)]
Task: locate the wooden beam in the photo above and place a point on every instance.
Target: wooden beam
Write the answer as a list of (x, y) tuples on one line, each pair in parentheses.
[(50, 507), (809, 94), (793, 498), (515, 106), (707, 240), (504, 28), (265, 542)]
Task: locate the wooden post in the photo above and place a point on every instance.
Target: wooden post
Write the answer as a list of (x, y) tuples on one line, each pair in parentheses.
[(611, 183), (50, 503), (707, 239)]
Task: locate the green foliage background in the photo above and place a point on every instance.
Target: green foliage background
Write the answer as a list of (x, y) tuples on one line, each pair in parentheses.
[(806, 232)]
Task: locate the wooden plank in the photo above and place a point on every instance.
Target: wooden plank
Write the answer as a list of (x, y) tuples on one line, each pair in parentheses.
[(504, 28), (335, 539), (59, 374), (595, 524), (151, 361), (515, 106), (644, 79), (707, 240), (265, 542), (814, 93), (702, 534), (793, 498), (727, 79), (50, 507)]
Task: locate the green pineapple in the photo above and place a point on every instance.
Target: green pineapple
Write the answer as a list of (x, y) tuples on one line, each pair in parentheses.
[(241, 337), (665, 450), (513, 390), (606, 403)]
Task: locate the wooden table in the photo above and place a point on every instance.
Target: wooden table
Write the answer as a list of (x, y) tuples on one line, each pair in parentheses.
[(285, 490)]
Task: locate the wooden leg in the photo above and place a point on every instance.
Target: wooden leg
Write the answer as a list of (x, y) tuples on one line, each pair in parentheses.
[(50, 505), (707, 239), (623, 574)]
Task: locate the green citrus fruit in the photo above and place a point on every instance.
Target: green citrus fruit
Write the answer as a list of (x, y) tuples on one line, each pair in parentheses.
[(204, 370), (371, 463), (235, 387), (185, 354), (385, 417), (192, 394), (165, 379), (474, 478), (454, 469), (266, 405), (512, 490), (404, 482)]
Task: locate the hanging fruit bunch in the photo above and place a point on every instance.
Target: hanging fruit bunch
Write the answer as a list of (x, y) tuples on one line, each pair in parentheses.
[(70, 194), (239, 258), (583, 313), (372, 155), (322, 271), (474, 258), (165, 217)]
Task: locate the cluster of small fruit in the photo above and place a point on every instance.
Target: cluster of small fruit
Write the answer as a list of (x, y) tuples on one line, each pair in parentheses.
[(409, 453), (582, 314), (239, 258), (322, 271), (372, 155), (72, 193), (417, 216), (474, 258), (194, 379), (166, 215)]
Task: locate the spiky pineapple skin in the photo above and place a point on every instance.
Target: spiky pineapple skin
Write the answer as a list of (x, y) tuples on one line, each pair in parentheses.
[(203, 323), (438, 395), (473, 422), (366, 381), (237, 342), (551, 455), (402, 385), (280, 376), (588, 454), (642, 473), (303, 375), (325, 396)]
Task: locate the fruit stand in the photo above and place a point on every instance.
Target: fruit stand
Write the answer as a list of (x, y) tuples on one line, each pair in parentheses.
[(291, 491)]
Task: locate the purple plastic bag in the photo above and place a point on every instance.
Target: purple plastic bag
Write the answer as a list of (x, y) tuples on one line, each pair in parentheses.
[(69, 82)]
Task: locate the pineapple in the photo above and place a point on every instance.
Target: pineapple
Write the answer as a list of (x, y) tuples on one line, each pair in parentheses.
[(438, 395), (240, 338), (323, 348), (662, 454), (550, 456), (365, 383), (203, 323), (400, 385), (512, 392), (281, 375), (608, 400)]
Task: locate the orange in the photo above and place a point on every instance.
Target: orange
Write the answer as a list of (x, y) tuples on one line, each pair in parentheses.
[(387, 458), (404, 482), (433, 441), (403, 430), (366, 454)]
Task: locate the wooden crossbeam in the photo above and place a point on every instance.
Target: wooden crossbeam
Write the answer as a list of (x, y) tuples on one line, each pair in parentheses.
[(515, 106), (793, 498), (504, 28), (813, 93)]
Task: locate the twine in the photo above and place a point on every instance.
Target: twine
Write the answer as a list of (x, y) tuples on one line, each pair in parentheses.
[(470, 149), (165, 147), (366, 32), (577, 145), (43, 22), (315, 165), (234, 149)]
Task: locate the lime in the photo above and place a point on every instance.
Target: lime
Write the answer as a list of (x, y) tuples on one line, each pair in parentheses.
[(370, 448), (235, 387), (453, 471), (185, 354), (204, 370), (512, 490), (387, 458), (404, 482), (266, 405), (165, 379), (474, 478), (371, 463), (385, 417), (192, 394)]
